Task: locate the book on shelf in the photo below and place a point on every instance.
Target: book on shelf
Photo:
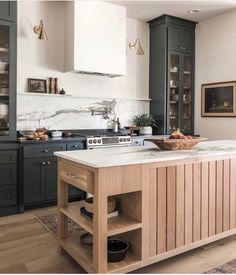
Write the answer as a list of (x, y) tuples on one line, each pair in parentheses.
[(90, 215)]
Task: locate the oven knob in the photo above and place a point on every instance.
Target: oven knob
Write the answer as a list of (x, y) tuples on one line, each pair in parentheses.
[(128, 139), (99, 141), (121, 139), (124, 139), (94, 141), (90, 141)]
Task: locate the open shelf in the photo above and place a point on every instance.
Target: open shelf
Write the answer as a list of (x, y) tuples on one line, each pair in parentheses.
[(121, 224), (73, 212), (83, 254), (116, 225), (130, 261)]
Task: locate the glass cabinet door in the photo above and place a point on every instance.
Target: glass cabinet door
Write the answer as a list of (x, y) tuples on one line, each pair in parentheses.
[(187, 89), (7, 80), (173, 94)]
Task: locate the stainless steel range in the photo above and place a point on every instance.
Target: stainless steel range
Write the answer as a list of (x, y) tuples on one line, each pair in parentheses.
[(94, 142)]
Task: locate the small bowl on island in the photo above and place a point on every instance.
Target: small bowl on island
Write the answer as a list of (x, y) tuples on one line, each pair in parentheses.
[(176, 141)]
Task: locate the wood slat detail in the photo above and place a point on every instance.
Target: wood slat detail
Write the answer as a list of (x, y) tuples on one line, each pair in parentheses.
[(188, 203), (226, 187), (232, 192), (219, 196), (179, 205), (161, 210), (171, 207), (152, 212), (212, 198), (204, 200), (196, 202)]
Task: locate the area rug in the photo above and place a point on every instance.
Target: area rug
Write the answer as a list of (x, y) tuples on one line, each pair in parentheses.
[(50, 223), (227, 268)]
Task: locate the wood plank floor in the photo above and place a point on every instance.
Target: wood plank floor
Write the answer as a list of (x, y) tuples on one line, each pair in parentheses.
[(27, 247)]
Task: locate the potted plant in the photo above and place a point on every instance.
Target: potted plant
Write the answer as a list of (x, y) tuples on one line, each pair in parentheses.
[(145, 122)]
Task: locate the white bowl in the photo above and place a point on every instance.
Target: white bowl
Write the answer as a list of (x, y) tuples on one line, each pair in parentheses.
[(3, 65), (56, 134)]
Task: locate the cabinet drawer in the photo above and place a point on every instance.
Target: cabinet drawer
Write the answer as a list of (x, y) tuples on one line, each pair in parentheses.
[(7, 174), (78, 177), (35, 151), (7, 157), (7, 195), (75, 146)]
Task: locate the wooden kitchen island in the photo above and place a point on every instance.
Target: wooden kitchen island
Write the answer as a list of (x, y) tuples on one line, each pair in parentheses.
[(169, 202)]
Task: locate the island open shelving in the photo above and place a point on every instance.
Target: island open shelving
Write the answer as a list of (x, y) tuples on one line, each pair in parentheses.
[(168, 202)]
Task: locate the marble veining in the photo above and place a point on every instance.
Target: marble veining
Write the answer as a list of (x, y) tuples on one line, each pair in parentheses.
[(116, 156), (74, 113)]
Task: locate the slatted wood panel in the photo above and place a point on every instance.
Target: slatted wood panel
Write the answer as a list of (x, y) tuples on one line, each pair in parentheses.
[(194, 202)]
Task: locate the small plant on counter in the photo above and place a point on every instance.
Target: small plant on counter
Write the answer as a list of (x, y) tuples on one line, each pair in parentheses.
[(145, 122)]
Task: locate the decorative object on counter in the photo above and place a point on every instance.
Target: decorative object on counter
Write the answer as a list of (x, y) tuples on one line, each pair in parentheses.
[(50, 85), (55, 85), (111, 205), (38, 134), (62, 92), (138, 46), (56, 134), (218, 99), (145, 122), (40, 31), (37, 85), (133, 130), (67, 134), (115, 125), (176, 141), (116, 250)]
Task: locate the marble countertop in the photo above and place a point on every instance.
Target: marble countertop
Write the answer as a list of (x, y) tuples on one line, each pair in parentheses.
[(117, 156)]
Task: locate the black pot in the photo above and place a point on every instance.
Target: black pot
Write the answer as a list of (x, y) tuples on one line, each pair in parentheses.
[(116, 250)]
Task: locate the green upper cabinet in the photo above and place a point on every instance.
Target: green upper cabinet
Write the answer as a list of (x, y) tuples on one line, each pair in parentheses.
[(8, 10), (180, 39), (171, 82)]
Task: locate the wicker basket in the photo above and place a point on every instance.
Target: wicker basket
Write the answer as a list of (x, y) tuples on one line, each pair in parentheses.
[(111, 205), (176, 144)]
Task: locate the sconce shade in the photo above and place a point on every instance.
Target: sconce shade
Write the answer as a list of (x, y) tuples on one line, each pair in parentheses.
[(40, 30), (138, 46)]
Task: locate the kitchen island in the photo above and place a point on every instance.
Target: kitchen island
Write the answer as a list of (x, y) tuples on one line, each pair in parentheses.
[(169, 202)]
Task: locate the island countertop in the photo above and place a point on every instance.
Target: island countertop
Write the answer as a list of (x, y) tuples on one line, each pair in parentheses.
[(117, 156)]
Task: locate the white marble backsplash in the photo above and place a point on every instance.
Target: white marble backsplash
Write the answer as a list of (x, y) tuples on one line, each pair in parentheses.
[(67, 112)]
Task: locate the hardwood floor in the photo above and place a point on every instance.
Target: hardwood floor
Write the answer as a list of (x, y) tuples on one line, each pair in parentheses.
[(27, 247)]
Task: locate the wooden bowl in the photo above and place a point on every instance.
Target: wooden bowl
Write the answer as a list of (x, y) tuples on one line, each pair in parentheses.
[(111, 205), (176, 144)]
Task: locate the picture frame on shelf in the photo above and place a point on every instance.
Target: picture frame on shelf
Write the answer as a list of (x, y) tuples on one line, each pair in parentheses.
[(219, 99), (37, 85)]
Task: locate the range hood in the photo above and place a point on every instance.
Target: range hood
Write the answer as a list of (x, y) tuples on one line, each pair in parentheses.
[(95, 38)]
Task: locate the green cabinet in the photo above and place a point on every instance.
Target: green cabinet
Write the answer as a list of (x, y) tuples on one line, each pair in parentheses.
[(172, 74), (8, 51), (8, 10)]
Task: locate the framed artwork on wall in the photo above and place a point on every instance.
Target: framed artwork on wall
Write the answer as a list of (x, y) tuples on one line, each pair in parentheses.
[(219, 99), (37, 85)]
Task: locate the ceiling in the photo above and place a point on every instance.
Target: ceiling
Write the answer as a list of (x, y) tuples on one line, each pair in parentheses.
[(146, 10)]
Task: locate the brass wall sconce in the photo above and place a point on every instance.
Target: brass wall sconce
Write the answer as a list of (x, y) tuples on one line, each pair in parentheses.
[(40, 31), (139, 49)]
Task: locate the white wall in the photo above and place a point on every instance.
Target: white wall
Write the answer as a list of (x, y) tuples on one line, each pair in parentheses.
[(43, 59), (215, 62)]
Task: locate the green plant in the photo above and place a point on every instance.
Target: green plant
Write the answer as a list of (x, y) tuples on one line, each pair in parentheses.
[(144, 120)]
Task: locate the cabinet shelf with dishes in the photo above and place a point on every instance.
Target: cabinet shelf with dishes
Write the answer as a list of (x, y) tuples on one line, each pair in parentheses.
[(4, 50)]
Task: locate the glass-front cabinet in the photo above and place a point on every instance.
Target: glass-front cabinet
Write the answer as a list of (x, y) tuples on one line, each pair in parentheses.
[(7, 81), (180, 93)]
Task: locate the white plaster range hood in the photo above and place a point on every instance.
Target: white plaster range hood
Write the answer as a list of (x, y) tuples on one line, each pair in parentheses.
[(95, 38)]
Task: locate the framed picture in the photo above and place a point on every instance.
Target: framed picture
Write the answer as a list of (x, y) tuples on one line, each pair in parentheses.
[(37, 85), (219, 99)]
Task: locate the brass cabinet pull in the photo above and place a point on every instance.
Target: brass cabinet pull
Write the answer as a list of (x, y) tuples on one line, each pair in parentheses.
[(48, 163), (45, 151), (43, 163)]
